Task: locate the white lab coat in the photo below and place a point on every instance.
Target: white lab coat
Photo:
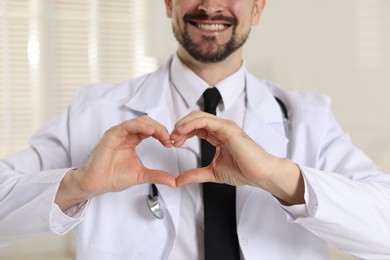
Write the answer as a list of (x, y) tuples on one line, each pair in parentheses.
[(348, 201)]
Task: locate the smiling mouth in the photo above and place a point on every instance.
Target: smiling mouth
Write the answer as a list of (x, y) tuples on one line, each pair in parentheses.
[(210, 24), (211, 27)]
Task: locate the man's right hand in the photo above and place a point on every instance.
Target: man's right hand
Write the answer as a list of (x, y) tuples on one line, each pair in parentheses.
[(114, 165)]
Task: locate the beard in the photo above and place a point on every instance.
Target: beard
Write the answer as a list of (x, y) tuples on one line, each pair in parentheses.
[(208, 50)]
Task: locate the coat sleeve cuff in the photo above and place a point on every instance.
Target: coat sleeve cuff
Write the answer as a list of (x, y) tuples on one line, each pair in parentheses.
[(63, 222), (309, 209)]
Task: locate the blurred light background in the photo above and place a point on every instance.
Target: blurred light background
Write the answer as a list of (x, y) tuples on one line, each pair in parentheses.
[(50, 48)]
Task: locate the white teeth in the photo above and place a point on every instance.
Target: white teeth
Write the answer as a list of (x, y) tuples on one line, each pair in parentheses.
[(212, 27)]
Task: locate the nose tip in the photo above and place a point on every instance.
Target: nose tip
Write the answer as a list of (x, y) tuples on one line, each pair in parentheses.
[(211, 7)]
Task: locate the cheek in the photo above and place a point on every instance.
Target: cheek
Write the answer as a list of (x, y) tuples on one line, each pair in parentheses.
[(177, 21), (244, 14), (178, 12), (242, 9), (184, 6), (240, 6)]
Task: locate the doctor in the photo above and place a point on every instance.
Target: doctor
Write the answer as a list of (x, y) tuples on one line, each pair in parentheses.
[(297, 187)]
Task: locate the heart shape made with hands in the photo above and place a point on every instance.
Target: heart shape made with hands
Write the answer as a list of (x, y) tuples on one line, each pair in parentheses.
[(222, 169), (196, 124), (238, 160), (177, 140), (230, 160)]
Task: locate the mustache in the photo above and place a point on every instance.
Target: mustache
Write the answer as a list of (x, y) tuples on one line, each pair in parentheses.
[(203, 16)]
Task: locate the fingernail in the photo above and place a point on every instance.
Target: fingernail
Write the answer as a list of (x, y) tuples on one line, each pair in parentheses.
[(169, 143)]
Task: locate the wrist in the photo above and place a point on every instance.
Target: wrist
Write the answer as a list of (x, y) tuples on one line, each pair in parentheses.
[(285, 181), (70, 192)]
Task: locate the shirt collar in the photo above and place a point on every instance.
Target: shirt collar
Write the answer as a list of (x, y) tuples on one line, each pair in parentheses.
[(191, 87)]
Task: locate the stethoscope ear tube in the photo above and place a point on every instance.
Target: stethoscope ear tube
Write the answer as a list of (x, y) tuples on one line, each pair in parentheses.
[(153, 202)]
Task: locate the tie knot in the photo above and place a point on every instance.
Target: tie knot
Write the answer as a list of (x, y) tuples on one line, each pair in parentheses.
[(211, 99)]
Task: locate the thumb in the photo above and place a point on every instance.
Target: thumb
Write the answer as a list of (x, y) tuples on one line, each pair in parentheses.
[(158, 177), (198, 175)]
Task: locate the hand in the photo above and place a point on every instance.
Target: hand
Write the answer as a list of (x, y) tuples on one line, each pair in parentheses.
[(234, 162), (114, 165), (238, 159)]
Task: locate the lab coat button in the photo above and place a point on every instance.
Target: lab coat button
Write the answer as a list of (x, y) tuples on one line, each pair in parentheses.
[(314, 209), (244, 241)]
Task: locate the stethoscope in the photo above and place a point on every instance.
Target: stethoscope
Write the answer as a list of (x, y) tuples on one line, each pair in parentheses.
[(153, 201)]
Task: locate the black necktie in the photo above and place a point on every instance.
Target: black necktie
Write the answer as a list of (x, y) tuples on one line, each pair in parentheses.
[(220, 232)]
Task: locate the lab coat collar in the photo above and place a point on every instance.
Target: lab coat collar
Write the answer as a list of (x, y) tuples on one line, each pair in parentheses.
[(152, 91), (263, 120), (261, 101)]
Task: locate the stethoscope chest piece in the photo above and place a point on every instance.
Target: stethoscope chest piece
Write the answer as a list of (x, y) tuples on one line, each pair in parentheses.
[(154, 204)]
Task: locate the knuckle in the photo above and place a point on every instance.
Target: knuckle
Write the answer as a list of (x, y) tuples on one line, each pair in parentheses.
[(194, 112)]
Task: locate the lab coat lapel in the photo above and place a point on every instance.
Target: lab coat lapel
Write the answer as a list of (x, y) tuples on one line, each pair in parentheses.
[(150, 99), (263, 122)]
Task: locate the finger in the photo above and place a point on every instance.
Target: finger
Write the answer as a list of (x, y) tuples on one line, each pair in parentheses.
[(123, 129), (214, 130), (198, 175), (162, 135), (143, 124), (180, 133), (158, 177), (179, 140), (160, 132), (143, 127), (192, 116), (211, 124)]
